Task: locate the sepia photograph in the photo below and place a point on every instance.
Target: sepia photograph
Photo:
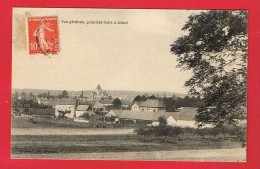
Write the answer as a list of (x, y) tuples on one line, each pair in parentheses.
[(129, 84)]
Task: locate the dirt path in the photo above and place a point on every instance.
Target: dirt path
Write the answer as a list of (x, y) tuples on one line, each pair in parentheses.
[(234, 155), (68, 131)]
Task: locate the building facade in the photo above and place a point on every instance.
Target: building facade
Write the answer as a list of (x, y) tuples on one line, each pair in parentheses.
[(152, 105), (65, 108)]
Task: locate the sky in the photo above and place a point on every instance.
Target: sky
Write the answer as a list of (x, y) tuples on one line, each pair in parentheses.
[(134, 56)]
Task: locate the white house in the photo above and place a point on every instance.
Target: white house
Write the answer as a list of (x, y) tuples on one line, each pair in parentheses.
[(81, 109), (98, 107), (136, 106), (65, 107), (152, 105)]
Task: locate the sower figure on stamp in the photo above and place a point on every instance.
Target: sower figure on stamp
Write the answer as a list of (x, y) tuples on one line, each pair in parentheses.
[(42, 43)]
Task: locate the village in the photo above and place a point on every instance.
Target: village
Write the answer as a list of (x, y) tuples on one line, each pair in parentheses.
[(100, 106), (99, 124)]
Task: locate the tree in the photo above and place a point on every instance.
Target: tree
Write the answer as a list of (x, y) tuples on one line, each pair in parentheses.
[(44, 95), (144, 97), (117, 103), (48, 95), (85, 116), (152, 97), (31, 96), (23, 95), (215, 50), (16, 94), (162, 121), (170, 104), (137, 98), (64, 94), (144, 131)]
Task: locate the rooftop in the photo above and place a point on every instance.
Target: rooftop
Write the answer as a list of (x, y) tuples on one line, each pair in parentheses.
[(82, 107), (186, 114), (98, 105), (154, 103), (138, 102), (138, 115)]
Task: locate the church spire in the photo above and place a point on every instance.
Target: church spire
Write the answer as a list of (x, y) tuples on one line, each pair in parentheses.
[(98, 87)]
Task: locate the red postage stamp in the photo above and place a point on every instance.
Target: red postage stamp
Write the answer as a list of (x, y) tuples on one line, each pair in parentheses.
[(43, 35)]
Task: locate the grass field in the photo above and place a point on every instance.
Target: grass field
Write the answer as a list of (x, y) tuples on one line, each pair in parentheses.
[(37, 144), (221, 155), (66, 139), (42, 122)]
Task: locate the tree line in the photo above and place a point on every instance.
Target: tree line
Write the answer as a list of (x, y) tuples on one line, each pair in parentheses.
[(174, 102)]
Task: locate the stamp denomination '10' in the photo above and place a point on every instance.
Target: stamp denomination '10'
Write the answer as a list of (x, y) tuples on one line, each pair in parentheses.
[(43, 35)]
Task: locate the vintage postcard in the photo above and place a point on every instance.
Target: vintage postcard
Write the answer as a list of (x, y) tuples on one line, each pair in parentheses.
[(129, 84)]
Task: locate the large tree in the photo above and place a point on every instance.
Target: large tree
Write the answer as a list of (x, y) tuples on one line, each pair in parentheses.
[(117, 103), (215, 50), (64, 94)]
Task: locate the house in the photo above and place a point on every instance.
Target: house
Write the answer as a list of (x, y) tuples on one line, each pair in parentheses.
[(46, 102), (81, 109), (186, 116), (42, 100), (98, 107), (65, 107), (98, 93), (152, 105), (150, 118), (136, 106)]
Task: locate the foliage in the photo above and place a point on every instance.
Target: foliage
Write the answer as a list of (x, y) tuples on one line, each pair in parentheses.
[(215, 50), (163, 130), (85, 116), (117, 103), (97, 122), (172, 103), (64, 94), (189, 102), (140, 98), (162, 121), (144, 130)]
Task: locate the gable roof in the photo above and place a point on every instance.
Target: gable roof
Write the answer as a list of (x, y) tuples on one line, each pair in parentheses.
[(186, 114), (65, 101), (138, 102), (98, 105), (154, 103), (82, 107), (138, 115)]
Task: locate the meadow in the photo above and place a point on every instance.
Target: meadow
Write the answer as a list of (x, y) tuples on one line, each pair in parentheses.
[(63, 138)]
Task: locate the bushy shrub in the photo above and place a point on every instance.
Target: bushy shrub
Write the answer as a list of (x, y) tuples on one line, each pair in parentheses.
[(85, 116), (159, 131)]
